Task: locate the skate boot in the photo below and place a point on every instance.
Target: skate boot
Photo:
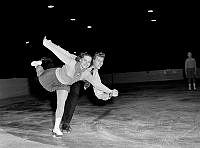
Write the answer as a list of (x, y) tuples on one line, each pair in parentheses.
[(66, 128), (36, 63)]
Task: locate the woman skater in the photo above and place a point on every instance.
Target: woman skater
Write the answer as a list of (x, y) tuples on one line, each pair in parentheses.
[(60, 79)]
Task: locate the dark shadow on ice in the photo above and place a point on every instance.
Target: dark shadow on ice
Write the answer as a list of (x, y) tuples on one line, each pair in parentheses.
[(107, 112)]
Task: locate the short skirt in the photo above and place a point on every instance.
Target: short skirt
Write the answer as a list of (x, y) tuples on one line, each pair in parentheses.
[(50, 82)]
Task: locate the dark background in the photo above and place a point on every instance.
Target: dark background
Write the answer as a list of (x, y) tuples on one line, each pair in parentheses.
[(122, 30)]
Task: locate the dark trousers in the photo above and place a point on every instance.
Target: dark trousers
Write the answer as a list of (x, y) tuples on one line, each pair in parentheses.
[(74, 96)]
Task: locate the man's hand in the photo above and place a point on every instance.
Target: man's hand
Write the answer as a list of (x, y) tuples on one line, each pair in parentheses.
[(114, 93)]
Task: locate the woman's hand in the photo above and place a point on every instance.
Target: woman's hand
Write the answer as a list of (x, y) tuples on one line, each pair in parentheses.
[(45, 40)]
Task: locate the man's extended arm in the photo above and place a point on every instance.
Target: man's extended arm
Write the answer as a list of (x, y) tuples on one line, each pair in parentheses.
[(98, 85)]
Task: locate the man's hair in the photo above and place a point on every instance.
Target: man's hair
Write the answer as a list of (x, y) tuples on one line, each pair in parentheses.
[(82, 54), (99, 54)]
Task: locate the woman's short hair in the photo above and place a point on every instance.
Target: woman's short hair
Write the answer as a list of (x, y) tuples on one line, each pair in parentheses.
[(81, 55)]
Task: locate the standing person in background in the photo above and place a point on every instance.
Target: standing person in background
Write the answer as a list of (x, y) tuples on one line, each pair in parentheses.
[(190, 71)]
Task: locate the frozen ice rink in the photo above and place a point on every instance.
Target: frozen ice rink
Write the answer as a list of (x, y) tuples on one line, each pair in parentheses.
[(146, 115)]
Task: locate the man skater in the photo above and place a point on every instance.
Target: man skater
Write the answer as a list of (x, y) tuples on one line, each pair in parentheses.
[(77, 89)]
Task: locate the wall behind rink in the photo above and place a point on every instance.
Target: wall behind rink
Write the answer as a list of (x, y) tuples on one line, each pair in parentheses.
[(13, 87), (145, 76)]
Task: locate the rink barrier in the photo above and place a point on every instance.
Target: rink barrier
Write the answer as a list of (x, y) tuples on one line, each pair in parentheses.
[(20, 86), (13, 87), (145, 76)]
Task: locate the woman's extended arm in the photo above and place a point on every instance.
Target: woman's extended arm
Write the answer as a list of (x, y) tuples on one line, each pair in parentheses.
[(61, 53)]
